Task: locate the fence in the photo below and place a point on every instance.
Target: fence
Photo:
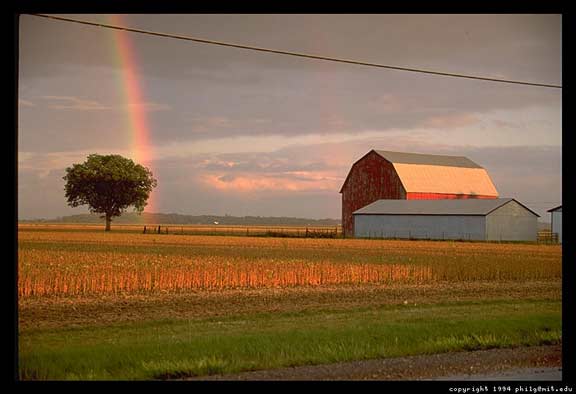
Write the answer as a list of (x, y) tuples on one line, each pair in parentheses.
[(547, 237), (251, 231)]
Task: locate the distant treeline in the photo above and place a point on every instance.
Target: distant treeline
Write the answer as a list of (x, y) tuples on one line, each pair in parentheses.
[(175, 218)]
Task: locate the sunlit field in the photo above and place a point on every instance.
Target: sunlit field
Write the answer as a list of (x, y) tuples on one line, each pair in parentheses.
[(195, 229), (165, 290)]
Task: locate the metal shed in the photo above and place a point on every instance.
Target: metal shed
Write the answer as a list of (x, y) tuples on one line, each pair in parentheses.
[(500, 219), (557, 221)]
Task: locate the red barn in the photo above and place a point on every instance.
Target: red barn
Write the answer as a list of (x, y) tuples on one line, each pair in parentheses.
[(410, 176)]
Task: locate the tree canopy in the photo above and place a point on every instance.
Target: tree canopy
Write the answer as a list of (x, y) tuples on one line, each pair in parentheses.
[(109, 184)]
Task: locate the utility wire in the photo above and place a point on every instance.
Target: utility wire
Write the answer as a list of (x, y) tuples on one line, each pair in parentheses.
[(304, 55)]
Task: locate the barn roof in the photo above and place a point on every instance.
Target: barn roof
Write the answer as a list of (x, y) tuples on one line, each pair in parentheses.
[(432, 160), (420, 178), (467, 207), (424, 173)]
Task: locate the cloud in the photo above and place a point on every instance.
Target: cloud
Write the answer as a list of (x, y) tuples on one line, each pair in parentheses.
[(75, 103), (283, 127), (45, 163), (227, 178), (286, 178), (205, 124), (401, 101), (226, 92), (25, 103), (237, 183), (505, 124), (281, 182), (80, 104), (264, 172), (450, 121), (148, 106)]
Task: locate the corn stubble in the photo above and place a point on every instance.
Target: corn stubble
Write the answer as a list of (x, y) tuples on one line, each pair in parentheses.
[(68, 273)]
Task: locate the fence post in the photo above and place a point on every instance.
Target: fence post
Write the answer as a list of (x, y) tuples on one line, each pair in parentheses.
[(144, 230), (158, 229), (306, 232)]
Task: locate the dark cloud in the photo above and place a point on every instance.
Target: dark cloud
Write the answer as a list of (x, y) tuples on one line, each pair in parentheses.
[(194, 93), (261, 162), (216, 92), (488, 43), (227, 178)]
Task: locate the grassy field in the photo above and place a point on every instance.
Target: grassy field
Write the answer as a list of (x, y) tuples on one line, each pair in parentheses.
[(126, 305)]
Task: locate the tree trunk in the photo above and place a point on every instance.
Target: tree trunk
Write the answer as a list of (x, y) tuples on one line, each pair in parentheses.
[(108, 220)]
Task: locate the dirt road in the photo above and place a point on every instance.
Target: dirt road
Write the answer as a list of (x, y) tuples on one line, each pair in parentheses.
[(518, 374), (531, 363)]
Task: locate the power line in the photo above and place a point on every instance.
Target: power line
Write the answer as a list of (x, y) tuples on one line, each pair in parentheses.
[(297, 54)]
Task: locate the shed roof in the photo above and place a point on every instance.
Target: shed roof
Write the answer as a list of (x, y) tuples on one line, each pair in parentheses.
[(465, 207), (558, 208)]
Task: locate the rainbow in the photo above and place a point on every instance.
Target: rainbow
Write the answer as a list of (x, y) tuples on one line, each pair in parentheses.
[(133, 97)]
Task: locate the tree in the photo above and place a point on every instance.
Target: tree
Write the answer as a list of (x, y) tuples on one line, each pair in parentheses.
[(108, 185)]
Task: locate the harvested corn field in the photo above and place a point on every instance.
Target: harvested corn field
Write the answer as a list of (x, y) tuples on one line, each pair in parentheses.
[(90, 263), (125, 305)]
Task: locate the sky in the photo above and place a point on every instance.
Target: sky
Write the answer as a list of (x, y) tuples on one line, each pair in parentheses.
[(244, 133)]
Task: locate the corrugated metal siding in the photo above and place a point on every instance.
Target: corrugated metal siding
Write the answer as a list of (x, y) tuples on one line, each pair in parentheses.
[(511, 222), (445, 180), (420, 227), (370, 179), (557, 223)]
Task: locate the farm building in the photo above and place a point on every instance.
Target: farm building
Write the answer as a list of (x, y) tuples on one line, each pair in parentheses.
[(411, 176), (500, 219), (557, 221)]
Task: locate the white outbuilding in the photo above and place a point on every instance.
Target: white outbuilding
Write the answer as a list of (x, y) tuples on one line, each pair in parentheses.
[(496, 219), (557, 221)]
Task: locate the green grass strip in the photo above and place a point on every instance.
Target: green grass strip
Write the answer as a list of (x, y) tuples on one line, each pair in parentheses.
[(184, 348)]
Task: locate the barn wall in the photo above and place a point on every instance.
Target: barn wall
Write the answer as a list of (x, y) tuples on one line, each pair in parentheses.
[(440, 196), (511, 222), (371, 178), (420, 226), (557, 223)]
